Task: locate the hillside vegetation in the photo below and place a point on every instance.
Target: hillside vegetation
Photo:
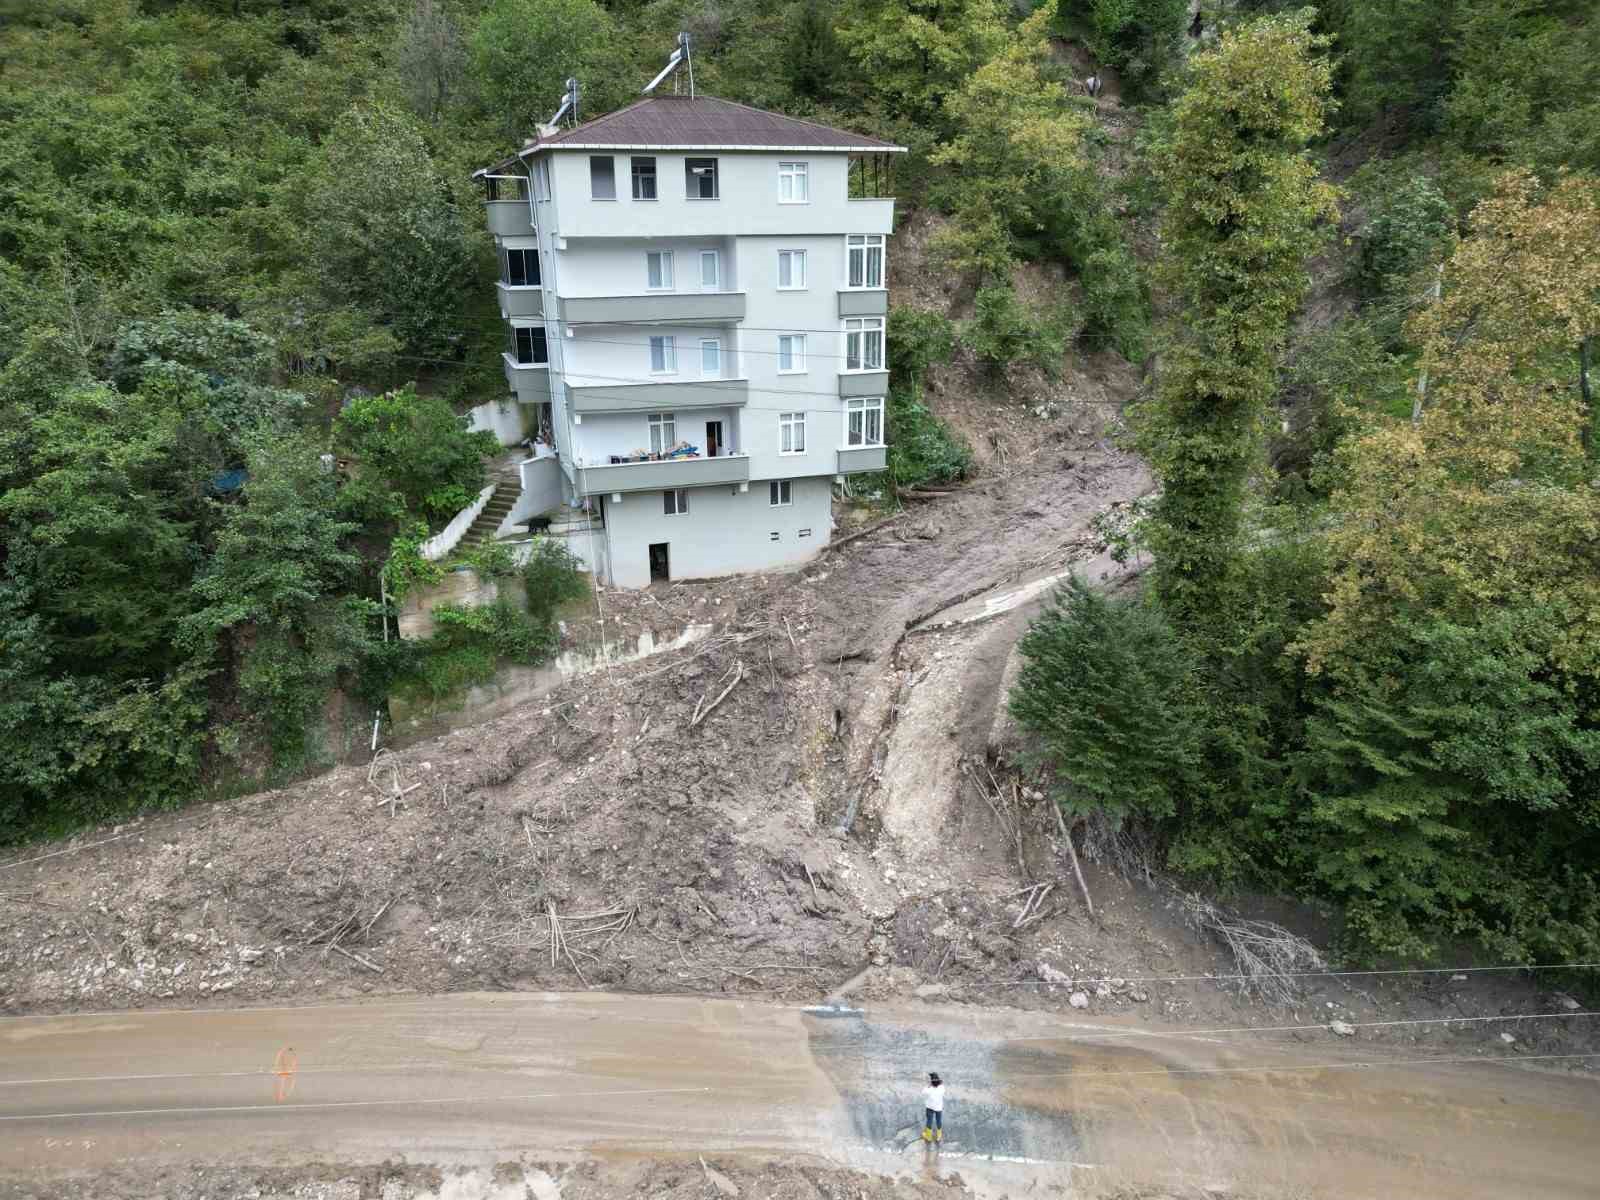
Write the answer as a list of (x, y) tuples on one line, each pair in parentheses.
[(236, 236)]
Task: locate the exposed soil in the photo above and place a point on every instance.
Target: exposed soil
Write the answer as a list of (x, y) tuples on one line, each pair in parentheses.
[(688, 1178)]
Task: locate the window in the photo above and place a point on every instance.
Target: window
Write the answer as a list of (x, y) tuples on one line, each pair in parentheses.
[(791, 270), (663, 432), (863, 422), (644, 179), (675, 503), (792, 433), (541, 179), (528, 345), (522, 268), (658, 270), (793, 186), (866, 260), (663, 355), (791, 353), (700, 178), (779, 493), (863, 344), (710, 271), (602, 178), (710, 358)]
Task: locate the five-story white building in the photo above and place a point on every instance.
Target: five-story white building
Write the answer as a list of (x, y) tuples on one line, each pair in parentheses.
[(696, 300)]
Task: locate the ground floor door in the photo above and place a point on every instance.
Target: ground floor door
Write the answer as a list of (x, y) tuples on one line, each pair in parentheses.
[(660, 568), (713, 438)]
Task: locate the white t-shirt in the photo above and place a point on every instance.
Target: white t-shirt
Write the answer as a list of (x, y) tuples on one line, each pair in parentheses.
[(933, 1097)]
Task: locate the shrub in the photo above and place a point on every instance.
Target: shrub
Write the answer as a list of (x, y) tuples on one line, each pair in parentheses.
[(551, 576), (1003, 330), (413, 455), (922, 450)]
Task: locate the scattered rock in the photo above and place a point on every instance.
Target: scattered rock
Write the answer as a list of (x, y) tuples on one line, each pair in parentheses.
[(1078, 1000), (1050, 975), (1343, 1028), (1508, 1039)]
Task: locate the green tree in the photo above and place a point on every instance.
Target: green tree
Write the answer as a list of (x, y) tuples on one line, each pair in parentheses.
[(1108, 690), (431, 58), (386, 249), (916, 53), (524, 51), (1243, 206), (1016, 148), (1438, 771), (272, 599), (1140, 38), (413, 455), (813, 55)]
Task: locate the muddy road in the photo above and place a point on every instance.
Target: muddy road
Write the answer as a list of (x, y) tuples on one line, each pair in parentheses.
[(477, 1078)]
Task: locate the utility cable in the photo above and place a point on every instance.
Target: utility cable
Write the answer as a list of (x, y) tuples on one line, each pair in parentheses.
[(1194, 1033)]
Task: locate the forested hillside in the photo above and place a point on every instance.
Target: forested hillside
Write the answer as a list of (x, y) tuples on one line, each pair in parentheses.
[(1369, 653), (1353, 247)]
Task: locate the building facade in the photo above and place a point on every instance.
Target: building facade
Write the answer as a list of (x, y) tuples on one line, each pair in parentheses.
[(695, 295)]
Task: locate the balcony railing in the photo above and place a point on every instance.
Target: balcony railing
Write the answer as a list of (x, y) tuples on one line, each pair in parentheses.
[(853, 459), (594, 479), (530, 381), (863, 383), (520, 301), (508, 218), (649, 397), (863, 302), (715, 307)]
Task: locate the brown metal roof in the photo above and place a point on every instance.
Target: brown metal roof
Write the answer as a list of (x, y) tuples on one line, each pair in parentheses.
[(703, 122)]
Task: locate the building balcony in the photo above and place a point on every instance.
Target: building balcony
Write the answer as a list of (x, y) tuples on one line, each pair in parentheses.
[(530, 382), (520, 301), (508, 218), (658, 476), (863, 383), (654, 307), (653, 397), (854, 459), (863, 302)]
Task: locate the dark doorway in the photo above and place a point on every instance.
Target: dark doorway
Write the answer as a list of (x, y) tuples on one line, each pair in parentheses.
[(713, 438), (658, 562)]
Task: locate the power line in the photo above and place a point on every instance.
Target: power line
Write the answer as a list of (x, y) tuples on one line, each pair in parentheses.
[(1116, 979), (1193, 1033)]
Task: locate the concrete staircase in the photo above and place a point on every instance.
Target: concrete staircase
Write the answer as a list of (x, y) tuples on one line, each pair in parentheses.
[(499, 507)]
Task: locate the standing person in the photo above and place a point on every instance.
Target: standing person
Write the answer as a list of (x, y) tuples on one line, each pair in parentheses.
[(933, 1109)]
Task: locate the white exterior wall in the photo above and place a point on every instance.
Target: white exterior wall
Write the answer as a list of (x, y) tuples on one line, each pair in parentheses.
[(617, 355), (604, 434), (503, 418), (617, 266), (724, 532), (595, 249), (747, 202)]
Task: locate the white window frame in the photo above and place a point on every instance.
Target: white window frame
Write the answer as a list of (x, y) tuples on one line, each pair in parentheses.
[(716, 177), (797, 354), (715, 343), (595, 159), (859, 328), (666, 271), (634, 176), (792, 430), (668, 345), (675, 502), (865, 408), (795, 179), (780, 493), (716, 258), (663, 432), (864, 244), (796, 258)]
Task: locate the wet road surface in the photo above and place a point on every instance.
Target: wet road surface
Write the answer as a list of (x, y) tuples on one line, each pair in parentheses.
[(1032, 1099)]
